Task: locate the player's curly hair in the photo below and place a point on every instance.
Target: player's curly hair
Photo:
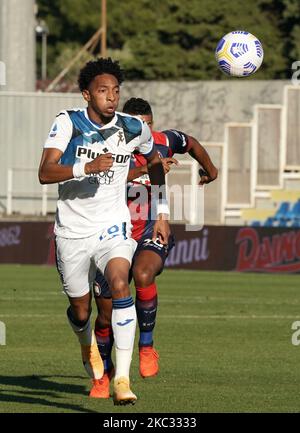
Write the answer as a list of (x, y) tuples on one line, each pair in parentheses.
[(98, 67), (137, 106)]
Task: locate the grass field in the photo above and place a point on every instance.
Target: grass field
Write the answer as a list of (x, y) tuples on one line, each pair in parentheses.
[(224, 341)]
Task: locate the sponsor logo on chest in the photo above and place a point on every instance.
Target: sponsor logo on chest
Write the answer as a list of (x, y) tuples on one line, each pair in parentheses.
[(88, 153)]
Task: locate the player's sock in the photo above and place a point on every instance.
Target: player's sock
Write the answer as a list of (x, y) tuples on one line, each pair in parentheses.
[(146, 308), (82, 329), (89, 351), (123, 324), (105, 341)]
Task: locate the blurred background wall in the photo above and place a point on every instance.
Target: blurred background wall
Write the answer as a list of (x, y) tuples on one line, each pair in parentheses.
[(17, 44)]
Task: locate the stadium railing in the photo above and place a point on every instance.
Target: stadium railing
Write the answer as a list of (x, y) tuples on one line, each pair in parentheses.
[(12, 194)]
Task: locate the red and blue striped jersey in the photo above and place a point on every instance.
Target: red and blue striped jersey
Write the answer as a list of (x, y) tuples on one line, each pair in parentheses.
[(167, 143)]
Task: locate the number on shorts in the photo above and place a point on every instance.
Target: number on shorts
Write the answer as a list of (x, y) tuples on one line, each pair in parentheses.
[(113, 230)]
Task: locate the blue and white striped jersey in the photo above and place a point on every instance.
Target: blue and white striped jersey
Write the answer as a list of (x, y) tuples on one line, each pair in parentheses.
[(87, 205)]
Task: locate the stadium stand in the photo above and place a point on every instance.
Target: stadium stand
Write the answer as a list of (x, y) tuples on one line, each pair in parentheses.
[(287, 214), (265, 167)]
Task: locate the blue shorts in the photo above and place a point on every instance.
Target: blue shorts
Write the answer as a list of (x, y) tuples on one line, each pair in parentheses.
[(144, 244)]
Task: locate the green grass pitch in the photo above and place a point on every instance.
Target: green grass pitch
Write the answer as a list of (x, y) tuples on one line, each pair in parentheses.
[(225, 344)]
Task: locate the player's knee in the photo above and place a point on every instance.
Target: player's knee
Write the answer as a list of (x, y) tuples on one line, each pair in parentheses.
[(81, 314), (119, 288), (143, 277)]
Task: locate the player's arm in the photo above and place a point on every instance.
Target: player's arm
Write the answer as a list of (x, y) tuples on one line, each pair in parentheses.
[(197, 151), (168, 162), (179, 142), (158, 185), (156, 173), (155, 169), (51, 171), (136, 172)]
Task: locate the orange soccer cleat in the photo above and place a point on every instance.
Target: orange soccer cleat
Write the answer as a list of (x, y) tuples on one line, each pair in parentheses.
[(100, 388), (148, 361)]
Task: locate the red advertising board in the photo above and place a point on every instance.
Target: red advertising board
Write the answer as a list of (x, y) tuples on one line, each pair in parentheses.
[(27, 243), (243, 249)]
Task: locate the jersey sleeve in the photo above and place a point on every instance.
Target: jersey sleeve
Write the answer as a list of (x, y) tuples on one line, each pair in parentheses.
[(60, 133), (178, 141), (146, 145)]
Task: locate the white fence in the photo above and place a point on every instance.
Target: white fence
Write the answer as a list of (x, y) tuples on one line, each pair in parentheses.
[(25, 120), (43, 196)]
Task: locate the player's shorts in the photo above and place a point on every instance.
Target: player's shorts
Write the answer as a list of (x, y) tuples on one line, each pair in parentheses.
[(78, 259), (101, 287), (146, 243)]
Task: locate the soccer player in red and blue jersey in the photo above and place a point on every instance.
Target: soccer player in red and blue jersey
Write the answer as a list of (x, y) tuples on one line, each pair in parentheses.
[(150, 255)]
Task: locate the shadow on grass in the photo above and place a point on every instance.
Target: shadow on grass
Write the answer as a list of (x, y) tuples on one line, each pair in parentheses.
[(40, 387)]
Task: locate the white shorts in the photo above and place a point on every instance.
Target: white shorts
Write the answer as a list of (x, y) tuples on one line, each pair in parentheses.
[(77, 260)]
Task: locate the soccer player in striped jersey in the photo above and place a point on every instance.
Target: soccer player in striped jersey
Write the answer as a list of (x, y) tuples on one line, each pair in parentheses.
[(150, 255), (88, 153)]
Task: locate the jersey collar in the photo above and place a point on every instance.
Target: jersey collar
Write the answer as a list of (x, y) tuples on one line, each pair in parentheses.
[(97, 125)]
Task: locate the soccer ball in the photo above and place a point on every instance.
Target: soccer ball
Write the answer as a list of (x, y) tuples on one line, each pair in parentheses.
[(239, 54)]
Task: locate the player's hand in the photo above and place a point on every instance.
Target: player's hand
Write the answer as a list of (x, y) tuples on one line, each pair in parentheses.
[(102, 163), (161, 229), (167, 162), (206, 177)]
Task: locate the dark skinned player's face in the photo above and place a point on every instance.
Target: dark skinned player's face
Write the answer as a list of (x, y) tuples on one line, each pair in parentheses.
[(103, 96), (147, 118)]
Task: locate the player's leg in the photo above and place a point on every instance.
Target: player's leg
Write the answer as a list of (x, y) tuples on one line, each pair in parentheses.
[(103, 328), (74, 267), (113, 259), (147, 264), (123, 323), (105, 339), (103, 331), (78, 314)]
